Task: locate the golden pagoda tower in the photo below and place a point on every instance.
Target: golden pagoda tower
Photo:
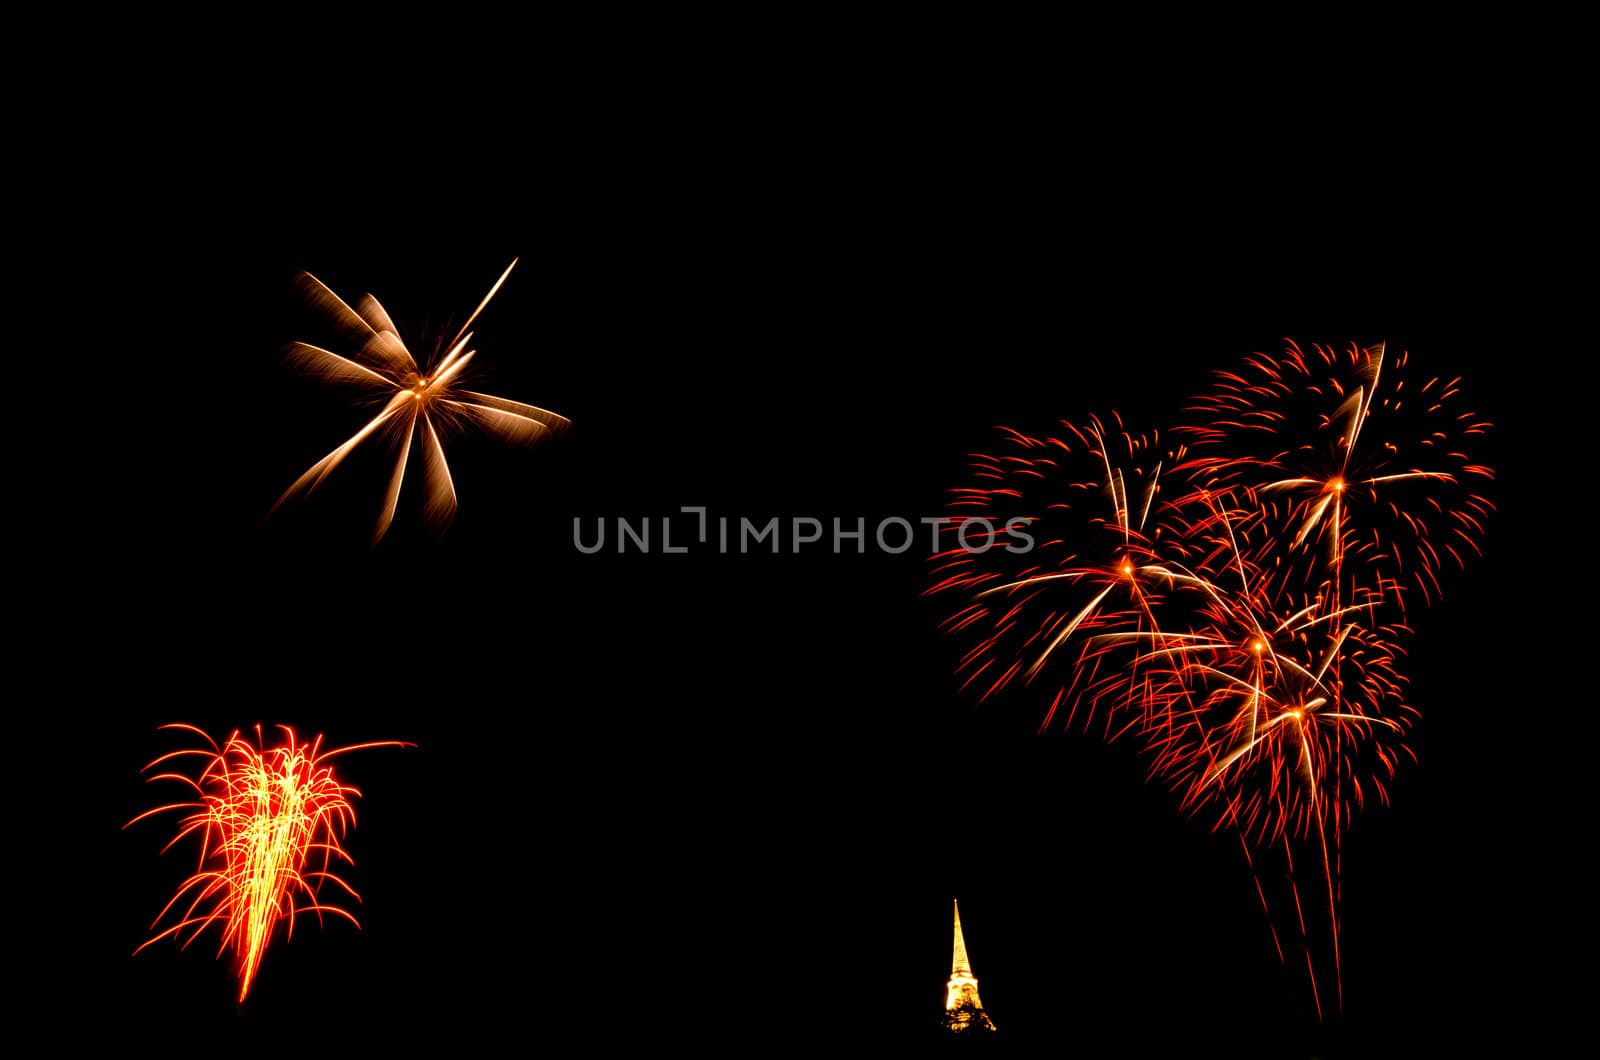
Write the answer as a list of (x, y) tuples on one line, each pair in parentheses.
[(962, 1010)]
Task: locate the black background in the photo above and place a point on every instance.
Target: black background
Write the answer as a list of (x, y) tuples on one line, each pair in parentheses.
[(730, 797)]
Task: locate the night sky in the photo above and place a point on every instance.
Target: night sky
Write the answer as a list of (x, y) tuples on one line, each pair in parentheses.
[(728, 798)]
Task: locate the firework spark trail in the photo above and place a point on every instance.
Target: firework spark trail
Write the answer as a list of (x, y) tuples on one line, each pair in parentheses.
[(263, 814), (1248, 625), (420, 405)]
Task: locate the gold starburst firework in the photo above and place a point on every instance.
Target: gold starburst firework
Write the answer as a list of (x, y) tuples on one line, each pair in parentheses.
[(419, 403)]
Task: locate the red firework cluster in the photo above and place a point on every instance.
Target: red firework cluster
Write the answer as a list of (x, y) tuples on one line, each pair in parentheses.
[(1234, 594)]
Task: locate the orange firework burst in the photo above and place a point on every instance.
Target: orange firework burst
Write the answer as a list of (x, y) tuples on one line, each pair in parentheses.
[(1251, 716), (1247, 627), (1099, 564), (419, 404), (270, 822), (1344, 450)]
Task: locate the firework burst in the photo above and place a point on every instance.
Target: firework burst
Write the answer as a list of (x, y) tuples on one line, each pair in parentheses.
[(1249, 719), (1099, 565), (270, 823), (420, 405), (1342, 452), (1238, 598)]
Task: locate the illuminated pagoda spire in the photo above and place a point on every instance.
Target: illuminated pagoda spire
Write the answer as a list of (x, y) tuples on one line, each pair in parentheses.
[(962, 1010)]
